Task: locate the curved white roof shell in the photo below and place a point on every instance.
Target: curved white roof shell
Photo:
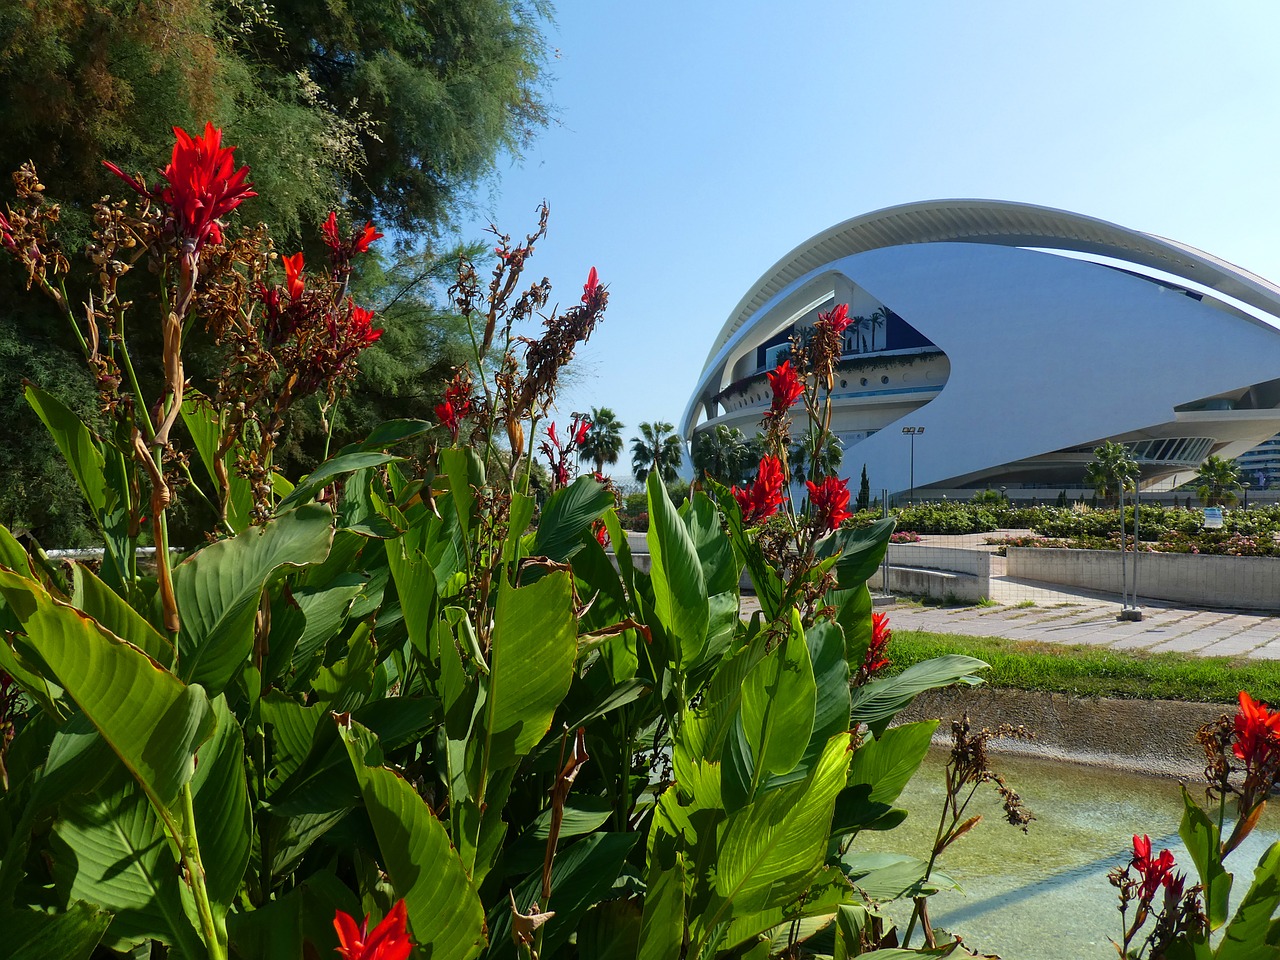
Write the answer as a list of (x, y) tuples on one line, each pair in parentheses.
[(970, 275)]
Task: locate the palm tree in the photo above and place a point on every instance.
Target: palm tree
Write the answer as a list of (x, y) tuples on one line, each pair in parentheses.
[(656, 447), (725, 454), (878, 318), (604, 439), (1219, 481), (828, 460), (1111, 468)]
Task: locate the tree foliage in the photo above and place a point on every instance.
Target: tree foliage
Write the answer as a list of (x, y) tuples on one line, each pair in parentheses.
[(386, 111), (1218, 482), (604, 438), (726, 455), (1111, 469), (657, 447), (390, 109)]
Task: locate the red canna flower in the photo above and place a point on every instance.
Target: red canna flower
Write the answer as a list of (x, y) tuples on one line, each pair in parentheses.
[(366, 236), (332, 239), (580, 428), (204, 185), (360, 329), (1257, 733), (456, 405), (836, 319), (6, 234), (830, 502), (591, 286), (293, 275), (762, 497), (388, 941), (1155, 872), (786, 385), (875, 658)]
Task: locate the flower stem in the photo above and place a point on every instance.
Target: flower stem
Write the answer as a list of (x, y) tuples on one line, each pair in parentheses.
[(213, 931)]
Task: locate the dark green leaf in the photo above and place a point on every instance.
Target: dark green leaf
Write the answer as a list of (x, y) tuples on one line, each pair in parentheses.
[(72, 935), (567, 517)]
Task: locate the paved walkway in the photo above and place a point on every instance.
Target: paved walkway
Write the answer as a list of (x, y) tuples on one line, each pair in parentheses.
[(1081, 618), (1027, 610)]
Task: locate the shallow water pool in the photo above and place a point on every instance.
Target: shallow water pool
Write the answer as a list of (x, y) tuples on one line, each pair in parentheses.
[(1044, 895)]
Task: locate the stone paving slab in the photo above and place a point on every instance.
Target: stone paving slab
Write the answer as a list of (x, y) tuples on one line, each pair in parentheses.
[(1090, 621), (1028, 610)]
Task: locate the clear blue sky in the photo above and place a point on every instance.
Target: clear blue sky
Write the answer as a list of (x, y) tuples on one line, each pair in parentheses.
[(698, 142)]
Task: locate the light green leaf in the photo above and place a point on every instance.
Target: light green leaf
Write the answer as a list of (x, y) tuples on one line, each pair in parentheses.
[(202, 423), (662, 926), (462, 470), (219, 588), (888, 876), (12, 555), (721, 570), (778, 701), (679, 591), (416, 586), (152, 721), (444, 909), (99, 601), (533, 650), (1253, 934), (78, 446), (1200, 834), (769, 852), (879, 701), (888, 761)]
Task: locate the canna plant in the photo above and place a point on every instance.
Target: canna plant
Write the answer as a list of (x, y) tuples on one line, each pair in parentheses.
[(410, 691), (1161, 915)]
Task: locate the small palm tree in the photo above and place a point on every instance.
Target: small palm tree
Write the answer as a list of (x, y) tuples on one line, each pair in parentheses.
[(725, 454), (1111, 469), (1219, 481), (826, 464), (659, 448), (878, 318), (604, 439)]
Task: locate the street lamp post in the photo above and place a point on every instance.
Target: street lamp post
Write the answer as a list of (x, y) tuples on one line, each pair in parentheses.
[(1246, 486), (911, 432)]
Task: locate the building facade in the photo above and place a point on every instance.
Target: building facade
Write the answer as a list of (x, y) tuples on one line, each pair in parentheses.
[(1019, 338)]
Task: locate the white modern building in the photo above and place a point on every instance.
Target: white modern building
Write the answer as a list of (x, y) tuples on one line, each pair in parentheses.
[(1261, 465), (1019, 338)]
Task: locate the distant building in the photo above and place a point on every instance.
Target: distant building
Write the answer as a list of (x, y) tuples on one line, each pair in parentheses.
[(1020, 337), (1261, 465)]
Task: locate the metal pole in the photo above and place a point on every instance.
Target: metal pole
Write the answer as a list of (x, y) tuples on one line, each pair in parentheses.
[(1137, 496), (884, 567), (1124, 583), (912, 499)]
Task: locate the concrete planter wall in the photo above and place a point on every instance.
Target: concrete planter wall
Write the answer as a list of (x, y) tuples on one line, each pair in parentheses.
[(1246, 583), (942, 573)]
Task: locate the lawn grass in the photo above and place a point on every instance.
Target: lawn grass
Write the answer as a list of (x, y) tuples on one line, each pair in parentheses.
[(1097, 671)]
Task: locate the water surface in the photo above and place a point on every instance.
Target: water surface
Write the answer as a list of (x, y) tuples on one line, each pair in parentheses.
[(1044, 895)]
